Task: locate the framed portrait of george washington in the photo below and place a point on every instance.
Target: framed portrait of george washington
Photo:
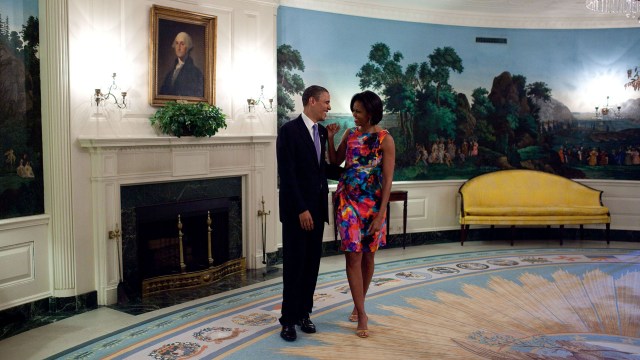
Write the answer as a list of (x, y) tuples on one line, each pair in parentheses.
[(182, 61)]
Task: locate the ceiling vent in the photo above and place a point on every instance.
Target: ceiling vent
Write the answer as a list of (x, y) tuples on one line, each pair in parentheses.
[(491, 40)]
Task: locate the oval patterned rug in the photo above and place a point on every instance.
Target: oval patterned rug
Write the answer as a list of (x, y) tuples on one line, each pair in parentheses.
[(503, 304)]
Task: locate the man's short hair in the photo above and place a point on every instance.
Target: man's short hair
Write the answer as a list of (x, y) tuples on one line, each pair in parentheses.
[(312, 91), (187, 40)]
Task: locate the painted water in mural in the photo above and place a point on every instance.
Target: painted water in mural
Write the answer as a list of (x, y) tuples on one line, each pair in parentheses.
[(461, 101), (21, 180)]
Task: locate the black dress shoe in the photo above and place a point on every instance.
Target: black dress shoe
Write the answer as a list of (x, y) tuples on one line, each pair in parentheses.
[(288, 332), (307, 326)]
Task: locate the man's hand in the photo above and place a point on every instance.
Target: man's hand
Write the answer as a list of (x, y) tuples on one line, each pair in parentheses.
[(306, 221)]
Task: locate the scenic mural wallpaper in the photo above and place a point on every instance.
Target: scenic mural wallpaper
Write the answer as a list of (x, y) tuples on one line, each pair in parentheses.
[(21, 180), (461, 101)]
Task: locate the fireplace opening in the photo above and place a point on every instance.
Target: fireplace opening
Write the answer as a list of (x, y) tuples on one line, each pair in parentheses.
[(151, 260), (159, 242)]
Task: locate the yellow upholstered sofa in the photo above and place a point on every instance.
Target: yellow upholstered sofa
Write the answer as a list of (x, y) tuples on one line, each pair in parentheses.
[(529, 197)]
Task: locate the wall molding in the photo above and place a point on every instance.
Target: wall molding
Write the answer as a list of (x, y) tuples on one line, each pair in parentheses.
[(539, 14)]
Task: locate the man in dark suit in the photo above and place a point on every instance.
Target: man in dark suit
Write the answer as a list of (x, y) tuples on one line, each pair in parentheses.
[(184, 78), (303, 208)]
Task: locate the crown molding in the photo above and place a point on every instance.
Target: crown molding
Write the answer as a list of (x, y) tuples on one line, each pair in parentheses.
[(517, 14)]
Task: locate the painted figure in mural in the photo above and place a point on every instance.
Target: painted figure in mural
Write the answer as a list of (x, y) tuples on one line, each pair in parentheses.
[(580, 154), (627, 156), (447, 159), (451, 149), (635, 157), (462, 155), (464, 148), (434, 152), (10, 158), (20, 169), (300, 148), (422, 155), (28, 170), (362, 195), (603, 158), (561, 154), (474, 148), (441, 151), (184, 79), (593, 157)]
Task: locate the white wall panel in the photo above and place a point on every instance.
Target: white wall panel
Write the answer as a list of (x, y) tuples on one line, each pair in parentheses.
[(25, 270)]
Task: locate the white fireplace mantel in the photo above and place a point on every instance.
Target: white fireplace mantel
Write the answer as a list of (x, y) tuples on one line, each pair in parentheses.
[(121, 161)]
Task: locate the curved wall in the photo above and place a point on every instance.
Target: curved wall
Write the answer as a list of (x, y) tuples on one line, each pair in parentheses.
[(433, 204)]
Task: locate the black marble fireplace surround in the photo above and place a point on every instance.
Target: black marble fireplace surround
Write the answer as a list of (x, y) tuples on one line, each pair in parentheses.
[(149, 228)]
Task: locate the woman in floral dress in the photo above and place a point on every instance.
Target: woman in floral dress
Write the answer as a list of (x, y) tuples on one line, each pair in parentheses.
[(362, 195)]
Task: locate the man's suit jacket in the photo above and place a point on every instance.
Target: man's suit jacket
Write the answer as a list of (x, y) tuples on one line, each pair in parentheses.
[(189, 82), (303, 181)]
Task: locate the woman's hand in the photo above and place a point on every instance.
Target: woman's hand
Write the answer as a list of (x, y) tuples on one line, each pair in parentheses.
[(376, 224), (332, 130)]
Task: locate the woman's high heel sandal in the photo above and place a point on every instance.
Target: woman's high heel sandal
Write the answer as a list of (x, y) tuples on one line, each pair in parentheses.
[(353, 317), (362, 333)]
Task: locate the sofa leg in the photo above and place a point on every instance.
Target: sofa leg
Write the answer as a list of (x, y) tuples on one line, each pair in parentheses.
[(561, 234), (513, 233), (606, 232), (463, 233), (581, 232)]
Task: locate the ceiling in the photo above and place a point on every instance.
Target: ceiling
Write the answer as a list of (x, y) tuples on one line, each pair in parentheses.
[(484, 13)]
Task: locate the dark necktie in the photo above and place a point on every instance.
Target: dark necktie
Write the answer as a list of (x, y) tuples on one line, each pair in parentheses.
[(316, 141)]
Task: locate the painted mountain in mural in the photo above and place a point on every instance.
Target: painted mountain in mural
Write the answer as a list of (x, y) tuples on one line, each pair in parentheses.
[(553, 110), (630, 109)]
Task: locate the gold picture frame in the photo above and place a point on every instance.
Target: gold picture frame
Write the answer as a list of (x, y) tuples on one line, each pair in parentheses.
[(181, 67)]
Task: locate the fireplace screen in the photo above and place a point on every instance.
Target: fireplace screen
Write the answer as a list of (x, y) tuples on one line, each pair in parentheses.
[(159, 237)]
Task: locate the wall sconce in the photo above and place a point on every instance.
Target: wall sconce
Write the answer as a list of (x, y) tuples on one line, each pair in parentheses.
[(260, 103), (100, 99)]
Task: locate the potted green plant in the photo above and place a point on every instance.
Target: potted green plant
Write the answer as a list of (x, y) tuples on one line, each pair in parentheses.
[(189, 119)]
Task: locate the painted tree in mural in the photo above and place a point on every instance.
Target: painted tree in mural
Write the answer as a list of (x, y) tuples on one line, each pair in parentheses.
[(442, 61), (634, 79), (289, 83), (31, 40), (384, 73), (420, 95), (4, 27), (438, 105), (9, 38), (480, 111)]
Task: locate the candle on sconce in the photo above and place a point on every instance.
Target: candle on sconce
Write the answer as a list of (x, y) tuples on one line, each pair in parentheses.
[(100, 98)]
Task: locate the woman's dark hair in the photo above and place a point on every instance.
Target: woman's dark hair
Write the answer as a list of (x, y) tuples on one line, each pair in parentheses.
[(371, 102)]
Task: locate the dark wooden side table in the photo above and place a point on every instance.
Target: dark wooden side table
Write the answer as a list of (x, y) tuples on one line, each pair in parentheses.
[(400, 195)]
